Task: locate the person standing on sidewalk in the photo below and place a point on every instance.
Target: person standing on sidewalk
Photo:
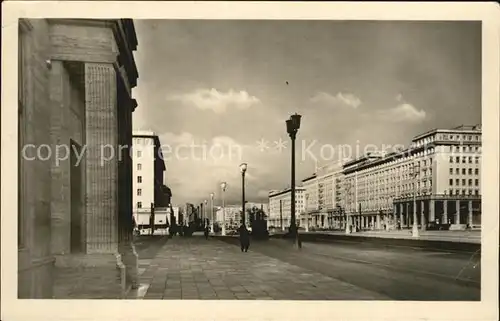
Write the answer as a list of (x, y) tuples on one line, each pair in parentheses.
[(244, 238)]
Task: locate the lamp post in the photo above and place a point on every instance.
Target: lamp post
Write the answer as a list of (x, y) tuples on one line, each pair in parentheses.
[(292, 127), (307, 213), (348, 222), (205, 202), (212, 212), (243, 169), (415, 171), (281, 215), (223, 187)]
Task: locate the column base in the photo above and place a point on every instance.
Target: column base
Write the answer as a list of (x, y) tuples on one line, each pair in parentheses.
[(458, 227), (414, 231), (90, 276), (130, 259)]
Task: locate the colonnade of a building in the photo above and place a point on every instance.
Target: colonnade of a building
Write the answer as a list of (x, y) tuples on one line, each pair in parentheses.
[(401, 216), (405, 212)]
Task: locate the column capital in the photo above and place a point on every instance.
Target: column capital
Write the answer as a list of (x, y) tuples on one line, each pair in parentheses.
[(97, 41)]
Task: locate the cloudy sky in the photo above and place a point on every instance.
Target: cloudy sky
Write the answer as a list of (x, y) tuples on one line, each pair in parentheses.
[(218, 94)]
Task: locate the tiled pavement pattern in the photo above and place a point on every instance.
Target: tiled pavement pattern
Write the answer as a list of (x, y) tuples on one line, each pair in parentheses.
[(195, 268)]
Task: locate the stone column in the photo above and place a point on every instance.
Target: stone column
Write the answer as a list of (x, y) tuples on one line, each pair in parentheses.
[(102, 166), (102, 169), (469, 217), (378, 221), (445, 212), (393, 217), (408, 215), (414, 215), (432, 210), (401, 217), (457, 214), (60, 201), (423, 220)]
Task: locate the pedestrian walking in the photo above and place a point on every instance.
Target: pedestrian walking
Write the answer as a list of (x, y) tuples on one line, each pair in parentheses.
[(244, 238), (206, 232), (299, 240)]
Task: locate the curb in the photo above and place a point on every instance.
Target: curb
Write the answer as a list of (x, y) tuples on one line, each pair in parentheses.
[(428, 244)]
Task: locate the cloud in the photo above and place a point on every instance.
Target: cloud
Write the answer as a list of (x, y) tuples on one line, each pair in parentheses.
[(263, 194), (404, 112), (345, 99), (218, 102)]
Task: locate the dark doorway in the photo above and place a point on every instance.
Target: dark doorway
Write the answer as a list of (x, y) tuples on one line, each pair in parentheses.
[(464, 213), (76, 186)]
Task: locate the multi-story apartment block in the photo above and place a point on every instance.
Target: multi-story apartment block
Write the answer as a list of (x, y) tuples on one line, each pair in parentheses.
[(322, 196), (148, 169), (437, 179), (280, 207)]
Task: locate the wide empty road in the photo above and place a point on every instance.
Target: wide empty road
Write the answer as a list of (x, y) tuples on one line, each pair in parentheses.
[(400, 273), (195, 268)]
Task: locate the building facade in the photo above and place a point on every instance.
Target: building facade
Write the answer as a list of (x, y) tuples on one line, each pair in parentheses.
[(322, 197), (149, 170), (75, 80), (280, 207), (232, 215), (437, 179)]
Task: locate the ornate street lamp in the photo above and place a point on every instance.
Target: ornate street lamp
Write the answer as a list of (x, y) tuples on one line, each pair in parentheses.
[(292, 127), (223, 187), (243, 169)]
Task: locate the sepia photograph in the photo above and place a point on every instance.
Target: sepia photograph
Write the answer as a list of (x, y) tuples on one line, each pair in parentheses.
[(215, 159)]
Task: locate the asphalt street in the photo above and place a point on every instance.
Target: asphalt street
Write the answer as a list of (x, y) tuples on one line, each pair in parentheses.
[(397, 272)]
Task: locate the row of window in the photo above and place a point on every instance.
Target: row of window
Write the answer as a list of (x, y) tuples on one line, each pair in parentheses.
[(463, 137), (464, 171), (466, 149), (143, 141), (464, 192), (465, 159), (464, 181), (457, 137)]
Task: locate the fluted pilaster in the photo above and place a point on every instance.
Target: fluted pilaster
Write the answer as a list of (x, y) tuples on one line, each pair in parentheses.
[(102, 165)]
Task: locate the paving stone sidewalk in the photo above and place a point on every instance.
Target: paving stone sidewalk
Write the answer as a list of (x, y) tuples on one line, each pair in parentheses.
[(195, 268)]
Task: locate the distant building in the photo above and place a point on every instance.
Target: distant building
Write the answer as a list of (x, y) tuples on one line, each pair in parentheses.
[(232, 213), (280, 207), (322, 196), (440, 173), (148, 172)]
